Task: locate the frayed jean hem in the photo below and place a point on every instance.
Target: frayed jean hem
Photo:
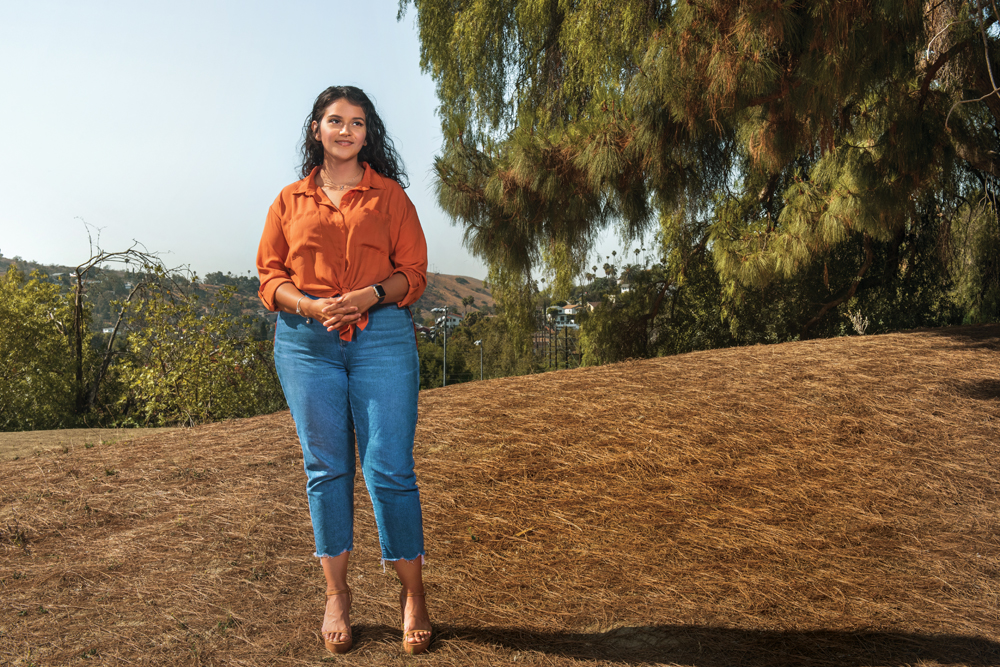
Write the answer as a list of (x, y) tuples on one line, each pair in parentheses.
[(319, 555), (422, 556)]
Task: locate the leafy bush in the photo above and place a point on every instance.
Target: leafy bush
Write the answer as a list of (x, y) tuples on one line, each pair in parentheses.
[(976, 263), (191, 364), (36, 389)]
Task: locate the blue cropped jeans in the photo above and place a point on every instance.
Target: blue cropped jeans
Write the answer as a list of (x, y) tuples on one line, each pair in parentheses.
[(365, 391)]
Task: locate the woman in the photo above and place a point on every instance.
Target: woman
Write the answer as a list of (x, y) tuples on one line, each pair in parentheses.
[(341, 257)]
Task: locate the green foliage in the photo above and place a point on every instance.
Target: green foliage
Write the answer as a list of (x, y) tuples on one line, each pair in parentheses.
[(104, 289), (508, 335), (245, 285), (817, 153), (36, 390), (182, 362), (657, 317), (906, 288), (976, 263), (557, 348), (467, 301), (460, 351), (431, 355), (192, 364), (500, 353)]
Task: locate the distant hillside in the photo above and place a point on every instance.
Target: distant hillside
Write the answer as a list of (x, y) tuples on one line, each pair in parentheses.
[(442, 289), (447, 290), (28, 267), (830, 502)]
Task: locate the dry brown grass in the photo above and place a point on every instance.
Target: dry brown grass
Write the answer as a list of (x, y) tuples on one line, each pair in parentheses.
[(820, 503), (15, 444)]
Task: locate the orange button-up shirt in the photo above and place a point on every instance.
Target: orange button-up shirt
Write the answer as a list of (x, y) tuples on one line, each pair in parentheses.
[(325, 251)]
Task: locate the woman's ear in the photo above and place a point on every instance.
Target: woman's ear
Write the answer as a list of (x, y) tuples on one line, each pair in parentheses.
[(314, 127)]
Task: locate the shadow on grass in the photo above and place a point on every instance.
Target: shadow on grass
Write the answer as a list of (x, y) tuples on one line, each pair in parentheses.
[(975, 335), (721, 647), (984, 390)]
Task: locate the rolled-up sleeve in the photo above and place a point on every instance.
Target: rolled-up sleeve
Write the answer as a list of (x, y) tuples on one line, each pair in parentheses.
[(272, 253), (409, 254)]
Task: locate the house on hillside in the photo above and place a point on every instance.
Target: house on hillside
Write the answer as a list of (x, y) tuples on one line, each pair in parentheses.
[(454, 320), (564, 316)]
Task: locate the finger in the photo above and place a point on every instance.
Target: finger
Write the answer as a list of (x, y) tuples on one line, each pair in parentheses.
[(338, 312), (342, 321), (339, 307)]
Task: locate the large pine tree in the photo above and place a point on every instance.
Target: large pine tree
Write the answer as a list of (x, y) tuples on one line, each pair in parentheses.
[(822, 148)]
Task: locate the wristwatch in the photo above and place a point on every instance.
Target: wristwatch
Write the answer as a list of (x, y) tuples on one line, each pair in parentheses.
[(379, 292)]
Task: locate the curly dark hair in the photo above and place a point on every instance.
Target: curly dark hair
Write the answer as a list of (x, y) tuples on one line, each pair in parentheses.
[(380, 154)]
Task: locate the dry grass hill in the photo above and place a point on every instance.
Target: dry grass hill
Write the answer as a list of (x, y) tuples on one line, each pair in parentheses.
[(447, 290), (829, 502)]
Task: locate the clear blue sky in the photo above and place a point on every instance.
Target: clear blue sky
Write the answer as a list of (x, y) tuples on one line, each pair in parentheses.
[(177, 123)]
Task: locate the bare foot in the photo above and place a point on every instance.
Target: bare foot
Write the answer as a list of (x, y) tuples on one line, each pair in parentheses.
[(337, 618), (415, 619)]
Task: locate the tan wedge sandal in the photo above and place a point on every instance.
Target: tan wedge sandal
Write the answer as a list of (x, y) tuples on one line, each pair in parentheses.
[(411, 648), (344, 646)]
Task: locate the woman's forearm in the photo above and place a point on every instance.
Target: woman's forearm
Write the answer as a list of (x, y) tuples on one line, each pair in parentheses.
[(286, 296), (396, 287)]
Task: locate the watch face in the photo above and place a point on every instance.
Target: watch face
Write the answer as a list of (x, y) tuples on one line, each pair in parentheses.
[(379, 292)]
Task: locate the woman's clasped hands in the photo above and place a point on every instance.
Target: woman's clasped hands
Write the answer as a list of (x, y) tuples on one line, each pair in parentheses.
[(341, 311)]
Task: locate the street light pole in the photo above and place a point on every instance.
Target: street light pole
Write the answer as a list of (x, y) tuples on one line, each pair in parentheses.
[(444, 360), (479, 344)]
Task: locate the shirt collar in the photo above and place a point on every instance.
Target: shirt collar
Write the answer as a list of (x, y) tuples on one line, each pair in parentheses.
[(370, 180)]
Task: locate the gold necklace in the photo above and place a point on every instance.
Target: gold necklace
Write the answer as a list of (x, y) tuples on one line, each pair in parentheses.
[(341, 186)]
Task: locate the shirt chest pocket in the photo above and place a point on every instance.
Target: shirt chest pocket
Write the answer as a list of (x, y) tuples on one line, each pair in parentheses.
[(371, 232), (309, 234)]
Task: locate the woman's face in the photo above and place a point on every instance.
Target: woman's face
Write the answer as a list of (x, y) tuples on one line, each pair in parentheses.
[(341, 130)]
